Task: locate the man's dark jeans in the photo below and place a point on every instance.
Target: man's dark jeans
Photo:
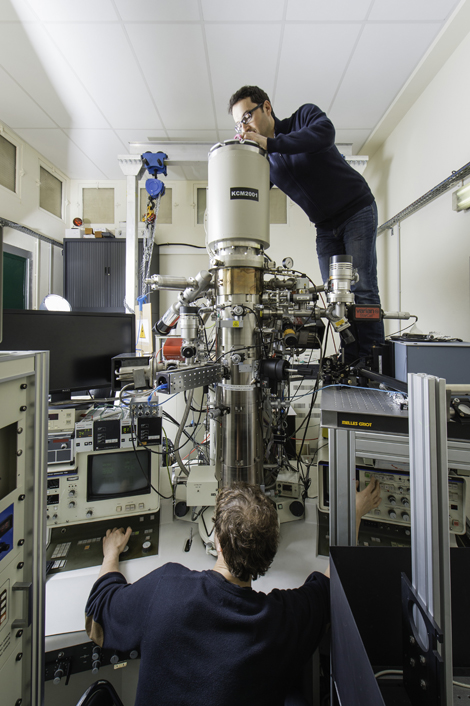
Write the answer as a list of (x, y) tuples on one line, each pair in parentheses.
[(356, 237)]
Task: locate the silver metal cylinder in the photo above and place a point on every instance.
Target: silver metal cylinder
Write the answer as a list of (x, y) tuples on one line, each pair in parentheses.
[(240, 454), (341, 276), (242, 444), (189, 323), (169, 319), (238, 233), (238, 195), (170, 282)]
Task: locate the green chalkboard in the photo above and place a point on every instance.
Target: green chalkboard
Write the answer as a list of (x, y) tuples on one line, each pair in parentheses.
[(14, 281)]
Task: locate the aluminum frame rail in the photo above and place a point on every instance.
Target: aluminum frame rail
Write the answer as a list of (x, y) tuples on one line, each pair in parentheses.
[(133, 169), (342, 480), (429, 196), (23, 229), (430, 555)]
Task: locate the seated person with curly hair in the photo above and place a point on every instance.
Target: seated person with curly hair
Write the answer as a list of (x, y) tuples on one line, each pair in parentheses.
[(206, 637)]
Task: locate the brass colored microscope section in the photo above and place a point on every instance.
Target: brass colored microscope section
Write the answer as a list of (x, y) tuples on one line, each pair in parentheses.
[(238, 280)]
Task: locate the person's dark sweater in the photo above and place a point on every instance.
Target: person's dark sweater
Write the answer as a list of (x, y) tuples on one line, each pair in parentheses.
[(205, 641), (307, 166)]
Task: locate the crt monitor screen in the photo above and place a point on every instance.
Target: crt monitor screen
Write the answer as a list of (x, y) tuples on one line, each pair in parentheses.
[(117, 475), (81, 344)]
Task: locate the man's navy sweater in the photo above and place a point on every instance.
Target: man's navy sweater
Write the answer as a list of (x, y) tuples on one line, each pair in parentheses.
[(307, 166), (207, 642)]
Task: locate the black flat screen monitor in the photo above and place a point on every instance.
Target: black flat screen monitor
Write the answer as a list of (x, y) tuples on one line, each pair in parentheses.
[(81, 344), (118, 475)]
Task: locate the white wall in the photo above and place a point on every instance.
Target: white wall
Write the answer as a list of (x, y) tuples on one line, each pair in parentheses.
[(431, 141), (23, 208), (296, 239)]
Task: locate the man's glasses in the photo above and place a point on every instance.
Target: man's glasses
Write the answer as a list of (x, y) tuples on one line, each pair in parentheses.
[(247, 118)]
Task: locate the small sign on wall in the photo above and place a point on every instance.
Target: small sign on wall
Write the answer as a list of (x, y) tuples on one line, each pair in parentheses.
[(143, 329)]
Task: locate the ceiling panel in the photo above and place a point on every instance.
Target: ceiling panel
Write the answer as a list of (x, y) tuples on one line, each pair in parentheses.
[(102, 59), (265, 11), (306, 49), (111, 72), (18, 109), (72, 11), (11, 10), (158, 10), (101, 147), (376, 72), (236, 60), (330, 11), (176, 70), (54, 88), (417, 10), (56, 147)]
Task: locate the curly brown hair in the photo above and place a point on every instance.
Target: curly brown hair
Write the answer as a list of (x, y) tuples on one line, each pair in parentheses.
[(247, 528)]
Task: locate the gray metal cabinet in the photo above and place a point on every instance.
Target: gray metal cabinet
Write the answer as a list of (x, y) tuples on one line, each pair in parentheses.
[(95, 273)]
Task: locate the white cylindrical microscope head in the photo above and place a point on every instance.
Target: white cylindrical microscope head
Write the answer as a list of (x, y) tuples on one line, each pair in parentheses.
[(238, 201)]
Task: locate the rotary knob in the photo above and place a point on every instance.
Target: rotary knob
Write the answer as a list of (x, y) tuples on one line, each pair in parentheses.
[(72, 493), (58, 674), (405, 516), (392, 514), (405, 502), (72, 503), (114, 658), (95, 666), (89, 513), (392, 500), (146, 547)]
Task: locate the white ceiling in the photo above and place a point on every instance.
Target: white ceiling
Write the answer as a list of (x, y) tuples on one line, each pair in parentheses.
[(81, 79)]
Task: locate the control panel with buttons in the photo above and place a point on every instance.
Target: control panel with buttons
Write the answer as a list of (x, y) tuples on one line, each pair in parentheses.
[(395, 493), (61, 664), (104, 484), (78, 546), (60, 448), (61, 419)]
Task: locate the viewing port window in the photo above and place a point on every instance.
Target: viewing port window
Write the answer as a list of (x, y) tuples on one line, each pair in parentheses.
[(8, 459)]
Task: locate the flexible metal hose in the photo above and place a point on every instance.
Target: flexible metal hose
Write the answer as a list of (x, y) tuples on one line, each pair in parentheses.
[(179, 433)]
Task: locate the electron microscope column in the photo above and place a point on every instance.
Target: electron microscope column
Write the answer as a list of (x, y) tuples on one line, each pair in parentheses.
[(238, 234), (241, 454)]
